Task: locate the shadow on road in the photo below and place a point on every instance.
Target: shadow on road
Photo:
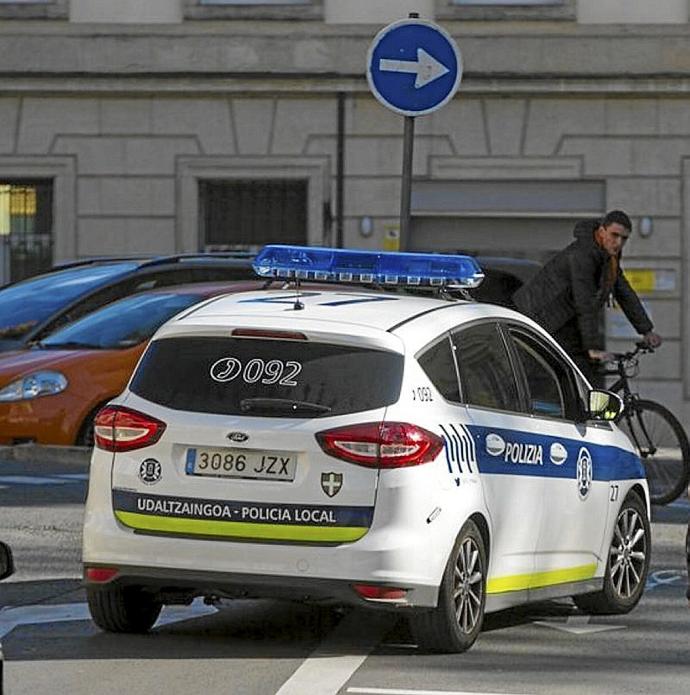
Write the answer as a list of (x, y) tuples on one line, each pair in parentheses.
[(242, 629)]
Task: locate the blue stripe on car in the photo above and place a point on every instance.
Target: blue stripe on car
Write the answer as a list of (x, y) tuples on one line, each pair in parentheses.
[(523, 450)]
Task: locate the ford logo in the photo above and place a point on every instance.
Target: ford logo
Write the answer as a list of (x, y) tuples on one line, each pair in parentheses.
[(238, 437)]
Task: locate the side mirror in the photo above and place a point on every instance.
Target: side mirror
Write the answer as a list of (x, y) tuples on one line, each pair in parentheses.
[(6, 563), (604, 405)]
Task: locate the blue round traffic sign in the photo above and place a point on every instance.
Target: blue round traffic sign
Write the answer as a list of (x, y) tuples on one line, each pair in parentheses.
[(413, 67)]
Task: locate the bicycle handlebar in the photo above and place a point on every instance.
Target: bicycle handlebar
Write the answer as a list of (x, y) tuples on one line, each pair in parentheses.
[(625, 363), (640, 348)]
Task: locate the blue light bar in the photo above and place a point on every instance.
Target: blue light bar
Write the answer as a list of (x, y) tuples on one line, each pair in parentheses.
[(377, 267)]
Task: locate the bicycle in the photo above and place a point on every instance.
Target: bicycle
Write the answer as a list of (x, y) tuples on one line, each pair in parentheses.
[(654, 430)]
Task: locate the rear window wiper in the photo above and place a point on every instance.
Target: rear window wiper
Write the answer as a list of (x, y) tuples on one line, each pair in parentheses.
[(281, 405)]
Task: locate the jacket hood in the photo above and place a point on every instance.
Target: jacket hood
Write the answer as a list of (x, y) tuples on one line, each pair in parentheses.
[(585, 229)]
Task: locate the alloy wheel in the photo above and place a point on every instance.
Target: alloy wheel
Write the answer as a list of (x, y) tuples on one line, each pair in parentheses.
[(628, 553), (468, 586)]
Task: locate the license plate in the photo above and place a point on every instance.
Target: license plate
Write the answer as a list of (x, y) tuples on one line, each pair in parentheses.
[(242, 463)]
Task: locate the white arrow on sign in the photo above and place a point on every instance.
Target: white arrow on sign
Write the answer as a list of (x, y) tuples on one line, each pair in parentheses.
[(577, 625), (426, 67)]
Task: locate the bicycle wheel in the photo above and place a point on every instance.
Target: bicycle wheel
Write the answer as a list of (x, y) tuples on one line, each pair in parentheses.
[(663, 447)]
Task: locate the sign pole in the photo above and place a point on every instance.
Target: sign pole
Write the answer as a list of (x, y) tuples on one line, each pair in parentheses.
[(413, 68), (406, 189), (406, 183)]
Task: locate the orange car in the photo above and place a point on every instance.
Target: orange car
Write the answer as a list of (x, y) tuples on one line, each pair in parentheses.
[(50, 393)]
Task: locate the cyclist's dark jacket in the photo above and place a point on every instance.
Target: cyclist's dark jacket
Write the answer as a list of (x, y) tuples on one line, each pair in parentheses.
[(567, 295)]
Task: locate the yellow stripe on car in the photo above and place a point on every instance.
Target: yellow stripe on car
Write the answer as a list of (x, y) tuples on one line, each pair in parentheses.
[(238, 529), (536, 580)]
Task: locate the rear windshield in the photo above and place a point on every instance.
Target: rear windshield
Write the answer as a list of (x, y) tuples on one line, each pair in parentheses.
[(32, 301), (270, 378)]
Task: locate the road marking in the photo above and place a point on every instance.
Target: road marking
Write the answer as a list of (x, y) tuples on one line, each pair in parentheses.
[(176, 614), (664, 577), (57, 479), (389, 691), (577, 625), (334, 661), (56, 613), (37, 615)]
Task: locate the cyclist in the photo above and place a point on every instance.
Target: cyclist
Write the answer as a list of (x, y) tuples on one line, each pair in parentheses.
[(567, 296)]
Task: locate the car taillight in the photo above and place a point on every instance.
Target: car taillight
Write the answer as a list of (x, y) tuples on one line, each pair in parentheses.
[(374, 592), (381, 444), (123, 429), (100, 575)]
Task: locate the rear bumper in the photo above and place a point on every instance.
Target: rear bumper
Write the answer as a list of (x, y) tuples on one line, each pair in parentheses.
[(397, 551), (261, 570), (187, 584)]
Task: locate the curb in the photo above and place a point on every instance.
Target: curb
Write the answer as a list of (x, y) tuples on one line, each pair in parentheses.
[(38, 453)]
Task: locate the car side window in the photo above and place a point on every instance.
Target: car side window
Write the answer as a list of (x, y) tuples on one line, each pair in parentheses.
[(85, 306), (544, 392), (550, 385), (486, 375), (162, 278), (439, 365)]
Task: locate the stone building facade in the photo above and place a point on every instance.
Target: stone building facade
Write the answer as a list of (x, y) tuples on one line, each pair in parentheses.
[(145, 126)]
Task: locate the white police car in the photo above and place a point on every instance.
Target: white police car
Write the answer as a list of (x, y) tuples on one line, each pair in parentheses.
[(423, 454)]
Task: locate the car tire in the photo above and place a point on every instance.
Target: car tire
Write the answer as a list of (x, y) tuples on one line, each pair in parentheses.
[(627, 565), (454, 625), (86, 435), (123, 609)]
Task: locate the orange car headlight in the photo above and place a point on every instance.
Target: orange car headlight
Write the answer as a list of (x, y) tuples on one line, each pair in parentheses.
[(33, 386)]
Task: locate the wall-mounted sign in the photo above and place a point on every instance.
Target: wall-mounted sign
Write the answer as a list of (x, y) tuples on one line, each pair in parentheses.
[(391, 237), (647, 280)]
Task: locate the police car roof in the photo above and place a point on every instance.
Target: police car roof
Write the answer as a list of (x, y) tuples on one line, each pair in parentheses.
[(382, 311)]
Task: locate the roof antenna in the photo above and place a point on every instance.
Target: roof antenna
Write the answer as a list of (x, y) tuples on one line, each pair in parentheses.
[(298, 306), (446, 292)]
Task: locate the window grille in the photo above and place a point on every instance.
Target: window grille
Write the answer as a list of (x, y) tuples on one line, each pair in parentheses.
[(246, 214), (26, 228)]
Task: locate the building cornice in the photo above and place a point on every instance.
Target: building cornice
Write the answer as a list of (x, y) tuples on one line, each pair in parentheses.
[(303, 85), (320, 52)]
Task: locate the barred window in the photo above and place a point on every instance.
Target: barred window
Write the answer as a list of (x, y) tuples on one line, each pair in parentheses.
[(246, 214), (26, 228), (507, 2), (506, 9), (254, 9), (33, 9), (254, 2)]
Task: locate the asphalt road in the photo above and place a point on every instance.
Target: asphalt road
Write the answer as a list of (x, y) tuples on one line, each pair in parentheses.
[(272, 648)]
